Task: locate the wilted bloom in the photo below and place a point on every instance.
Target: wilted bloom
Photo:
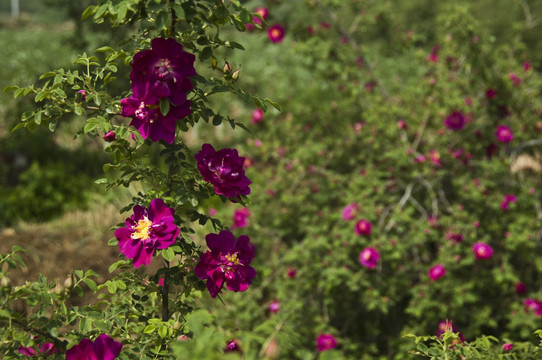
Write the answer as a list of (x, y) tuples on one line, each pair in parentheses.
[(227, 261), (274, 307), (325, 342), (521, 288), (240, 218), (508, 346), (509, 198), (437, 271), (455, 121), (147, 230), (103, 348), (534, 305), (482, 251), (349, 211), (149, 120), (363, 227), (224, 170), (369, 257), (232, 345), (515, 79), (276, 33), (257, 116), (45, 349), (109, 136), (504, 134), (163, 71)]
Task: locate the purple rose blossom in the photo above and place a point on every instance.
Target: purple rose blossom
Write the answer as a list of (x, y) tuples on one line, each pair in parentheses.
[(369, 257), (276, 33), (227, 261), (232, 345), (45, 349), (455, 121), (224, 169), (240, 218), (515, 79), (509, 198), (350, 211), (526, 66), (534, 305), (325, 342), (110, 136), (257, 116), (363, 227), (504, 134), (521, 288), (482, 251), (103, 348), (448, 326), (147, 230), (83, 94), (274, 307), (149, 120), (263, 12), (163, 71), (508, 346), (436, 272)]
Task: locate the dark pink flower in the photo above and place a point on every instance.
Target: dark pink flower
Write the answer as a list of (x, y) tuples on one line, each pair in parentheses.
[(257, 116), (263, 12), (492, 150), (83, 94), (436, 272), (482, 251), (508, 346), (526, 66), (291, 272), (276, 33), (110, 136), (491, 93), (454, 236), (434, 156), (227, 261), (240, 218), (163, 71), (149, 120), (504, 134), (515, 79), (534, 305), (274, 307), (147, 230), (103, 348), (363, 227), (43, 350), (369, 257), (232, 345), (223, 169), (521, 288), (325, 342), (509, 198), (350, 211), (455, 121), (448, 326), (402, 124)]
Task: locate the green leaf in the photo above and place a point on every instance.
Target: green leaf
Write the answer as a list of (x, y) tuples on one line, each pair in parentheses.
[(164, 106), (168, 254), (10, 88), (149, 329), (91, 284)]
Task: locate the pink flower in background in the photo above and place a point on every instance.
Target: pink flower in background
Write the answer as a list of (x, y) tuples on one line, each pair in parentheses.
[(509, 198), (434, 156), (482, 251), (491, 93), (455, 121), (227, 261), (504, 134), (43, 350), (526, 66), (257, 116), (492, 150), (263, 12), (454, 236), (436, 272), (240, 218), (363, 227), (232, 345), (515, 79), (508, 346), (103, 348), (521, 288), (147, 230), (369, 257), (402, 124), (83, 94), (350, 211), (291, 272), (448, 326), (274, 307), (212, 211), (533, 305), (433, 56), (276, 33), (420, 158), (223, 169), (325, 342)]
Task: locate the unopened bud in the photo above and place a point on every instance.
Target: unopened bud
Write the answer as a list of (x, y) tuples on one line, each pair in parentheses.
[(227, 68), (5, 282), (183, 338), (109, 136), (214, 63), (58, 289), (68, 283), (235, 75), (273, 350)]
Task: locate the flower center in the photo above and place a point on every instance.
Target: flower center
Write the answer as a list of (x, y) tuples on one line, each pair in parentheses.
[(367, 255), (163, 68), (232, 258), (142, 229), (276, 33)]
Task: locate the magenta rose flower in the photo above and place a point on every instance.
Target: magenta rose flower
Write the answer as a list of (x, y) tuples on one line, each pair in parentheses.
[(224, 169), (369, 257), (504, 134), (110, 136), (350, 211), (533, 305), (455, 121), (507, 346), (149, 120), (276, 33), (103, 348), (240, 218), (42, 350), (274, 307), (163, 71), (227, 261), (325, 342), (448, 326), (363, 227), (257, 116), (147, 230), (436, 272), (509, 198), (482, 251)]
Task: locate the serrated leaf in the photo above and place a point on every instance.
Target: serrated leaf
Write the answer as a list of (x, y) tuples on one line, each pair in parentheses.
[(91, 284)]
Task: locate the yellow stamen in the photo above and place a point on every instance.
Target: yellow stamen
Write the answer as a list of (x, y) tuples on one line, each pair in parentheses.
[(142, 229), (232, 258)]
